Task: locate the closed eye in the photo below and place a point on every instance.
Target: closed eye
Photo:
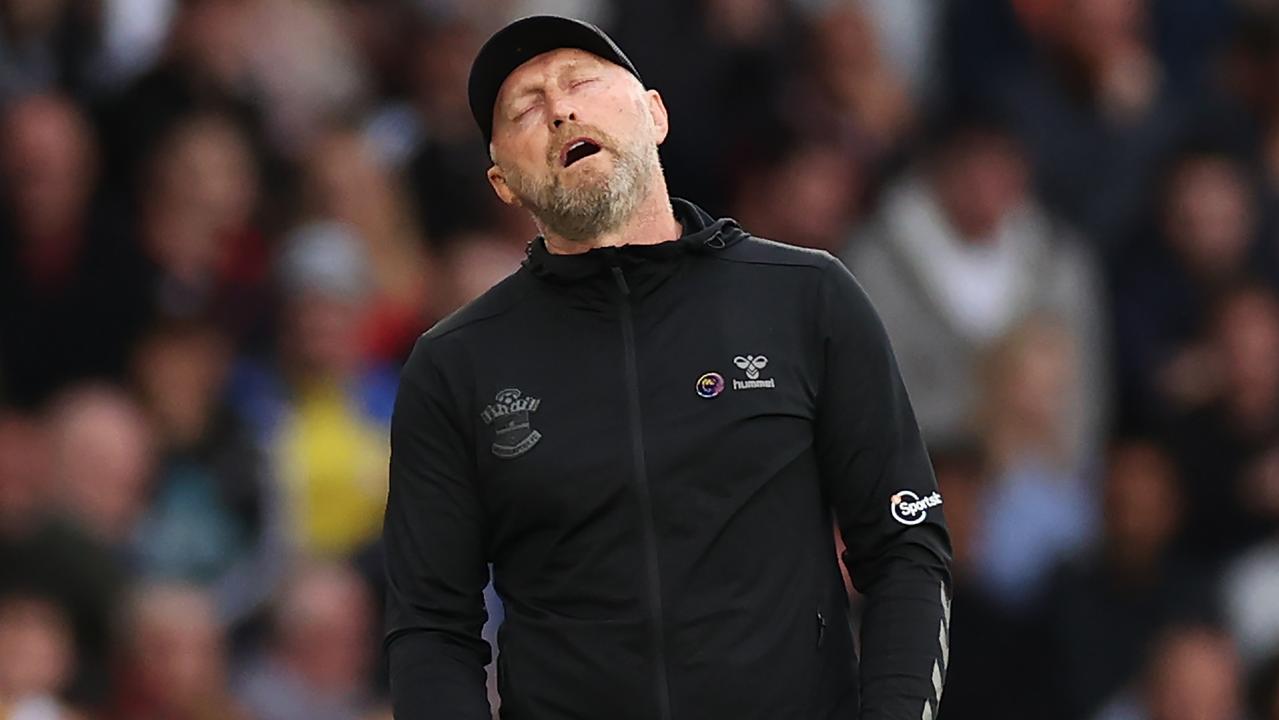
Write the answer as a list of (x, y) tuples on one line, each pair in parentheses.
[(582, 82)]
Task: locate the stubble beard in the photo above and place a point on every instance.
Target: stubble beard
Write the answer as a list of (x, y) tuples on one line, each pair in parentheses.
[(596, 205)]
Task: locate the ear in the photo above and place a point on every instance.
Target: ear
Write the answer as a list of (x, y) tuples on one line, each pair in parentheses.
[(657, 110), (504, 192)]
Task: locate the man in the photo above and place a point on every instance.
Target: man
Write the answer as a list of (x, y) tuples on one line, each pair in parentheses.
[(646, 430)]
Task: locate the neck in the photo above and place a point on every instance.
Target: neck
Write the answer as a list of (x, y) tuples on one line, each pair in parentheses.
[(652, 222)]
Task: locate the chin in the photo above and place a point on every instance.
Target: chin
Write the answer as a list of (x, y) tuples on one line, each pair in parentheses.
[(586, 177)]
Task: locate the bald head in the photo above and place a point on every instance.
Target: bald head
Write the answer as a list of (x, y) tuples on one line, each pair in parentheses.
[(102, 448)]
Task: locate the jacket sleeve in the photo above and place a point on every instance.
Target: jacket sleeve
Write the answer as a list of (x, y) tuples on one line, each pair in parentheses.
[(435, 560), (877, 476)]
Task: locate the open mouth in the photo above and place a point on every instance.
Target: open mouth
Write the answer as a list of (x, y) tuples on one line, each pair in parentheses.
[(578, 149)]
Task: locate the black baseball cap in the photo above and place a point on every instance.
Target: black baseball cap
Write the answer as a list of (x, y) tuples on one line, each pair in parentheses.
[(522, 41)]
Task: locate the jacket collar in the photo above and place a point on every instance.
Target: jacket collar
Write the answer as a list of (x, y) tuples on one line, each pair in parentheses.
[(702, 233)]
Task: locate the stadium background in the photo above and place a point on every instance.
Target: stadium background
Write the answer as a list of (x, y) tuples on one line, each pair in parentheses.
[(224, 222)]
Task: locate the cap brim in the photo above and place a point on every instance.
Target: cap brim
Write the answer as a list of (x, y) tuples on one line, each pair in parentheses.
[(523, 40)]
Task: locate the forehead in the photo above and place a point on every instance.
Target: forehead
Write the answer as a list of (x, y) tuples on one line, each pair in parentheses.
[(548, 64)]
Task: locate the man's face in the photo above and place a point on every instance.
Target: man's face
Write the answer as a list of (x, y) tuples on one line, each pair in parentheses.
[(575, 142)]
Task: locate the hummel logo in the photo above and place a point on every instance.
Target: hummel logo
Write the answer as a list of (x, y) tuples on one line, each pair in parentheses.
[(752, 364)]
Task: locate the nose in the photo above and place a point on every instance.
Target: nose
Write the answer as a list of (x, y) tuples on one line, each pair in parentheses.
[(562, 111)]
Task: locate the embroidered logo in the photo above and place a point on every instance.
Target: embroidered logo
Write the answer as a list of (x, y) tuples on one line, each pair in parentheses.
[(752, 364), (710, 384), (908, 509), (509, 416)]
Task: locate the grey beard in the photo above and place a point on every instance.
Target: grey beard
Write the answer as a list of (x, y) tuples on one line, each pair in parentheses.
[(583, 213)]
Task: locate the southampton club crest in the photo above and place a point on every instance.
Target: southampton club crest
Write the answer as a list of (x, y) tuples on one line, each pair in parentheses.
[(509, 416)]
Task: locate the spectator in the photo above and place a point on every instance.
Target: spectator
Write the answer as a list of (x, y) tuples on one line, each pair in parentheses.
[(36, 659), (206, 68), (858, 100), (1103, 611), (103, 462), (44, 45), (958, 254), (1039, 505), (321, 405), (214, 517), (1094, 104), (24, 468), (320, 657), (59, 261), (202, 251), (103, 459), (1243, 108), (304, 67), (346, 182), (43, 554), (1229, 448), (1209, 233), (1194, 675), (172, 663), (803, 193), (446, 171), (986, 679)]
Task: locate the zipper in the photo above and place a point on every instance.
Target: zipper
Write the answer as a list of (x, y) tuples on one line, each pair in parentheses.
[(661, 682)]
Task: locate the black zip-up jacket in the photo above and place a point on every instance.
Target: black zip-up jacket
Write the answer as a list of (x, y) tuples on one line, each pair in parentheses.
[(649, 444)]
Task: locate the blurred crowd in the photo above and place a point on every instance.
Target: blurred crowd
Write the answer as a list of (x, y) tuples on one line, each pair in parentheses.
[(223, 223)]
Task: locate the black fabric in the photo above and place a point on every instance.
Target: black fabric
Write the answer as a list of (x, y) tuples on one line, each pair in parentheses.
[(523, 40), (661, 553)]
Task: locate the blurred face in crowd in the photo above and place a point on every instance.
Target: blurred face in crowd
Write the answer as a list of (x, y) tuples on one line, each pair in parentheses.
[(205, 187), (1142, 505), (24, 472), (36, 653), (214, 38), (810, 198), (323, 333), (180, 372), (981, 177), (324, 624), (176, 650), (102, 454), (1209, 216), (575, 143), (346, 182), (742, 22), (1031, 379), (47, 166), (441, 61), (1248, 340), (1195, 676)]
